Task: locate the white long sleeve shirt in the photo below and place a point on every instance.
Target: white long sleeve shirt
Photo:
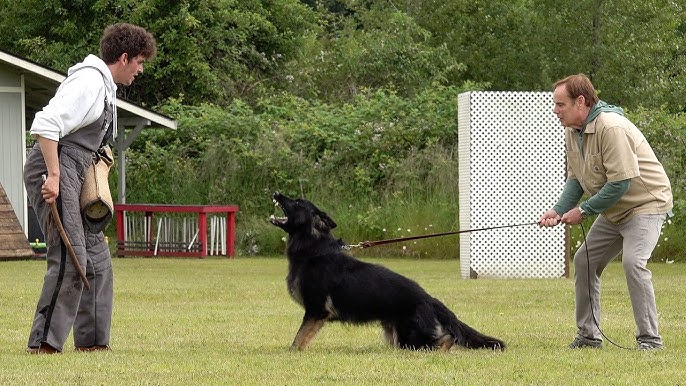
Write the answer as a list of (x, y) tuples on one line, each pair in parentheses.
[(78, 102)]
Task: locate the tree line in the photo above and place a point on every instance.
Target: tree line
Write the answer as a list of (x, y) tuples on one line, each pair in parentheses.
[(353, 101)]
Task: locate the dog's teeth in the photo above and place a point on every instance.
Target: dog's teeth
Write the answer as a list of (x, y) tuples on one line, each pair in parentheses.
[(271, 217)]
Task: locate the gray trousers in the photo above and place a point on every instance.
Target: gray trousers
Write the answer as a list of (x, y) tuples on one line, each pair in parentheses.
[(63, 302), (636, 239)]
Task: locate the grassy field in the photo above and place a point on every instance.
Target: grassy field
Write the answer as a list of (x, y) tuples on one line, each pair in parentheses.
[(218, 321)]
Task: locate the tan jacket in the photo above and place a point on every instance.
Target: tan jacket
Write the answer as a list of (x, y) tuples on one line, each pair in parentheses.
[(614, 150)]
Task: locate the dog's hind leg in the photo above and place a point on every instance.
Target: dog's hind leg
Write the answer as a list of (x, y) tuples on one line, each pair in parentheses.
[(390, 333), (463, 334), (308, 329), (444, 343)]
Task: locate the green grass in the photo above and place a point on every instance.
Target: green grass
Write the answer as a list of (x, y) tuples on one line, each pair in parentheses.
[(218, 321)]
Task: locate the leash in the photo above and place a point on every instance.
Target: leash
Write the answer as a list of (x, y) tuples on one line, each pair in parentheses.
[(367, 244), (590, 297)]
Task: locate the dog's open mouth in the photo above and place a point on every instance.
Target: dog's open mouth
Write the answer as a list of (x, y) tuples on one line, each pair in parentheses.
[(278, 221)]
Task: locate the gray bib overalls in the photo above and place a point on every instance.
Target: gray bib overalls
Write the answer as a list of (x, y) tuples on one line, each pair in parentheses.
[(63, 302)]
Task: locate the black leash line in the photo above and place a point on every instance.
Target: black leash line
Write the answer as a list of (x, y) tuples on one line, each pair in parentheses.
[(590, 297), (367, 244)]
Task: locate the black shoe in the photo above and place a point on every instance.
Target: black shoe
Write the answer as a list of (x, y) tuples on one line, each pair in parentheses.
[(582, 342), (44, 348), (647, 346), (92, 348)]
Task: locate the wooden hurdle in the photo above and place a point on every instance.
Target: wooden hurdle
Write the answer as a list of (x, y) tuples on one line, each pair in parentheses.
[(175, 230)]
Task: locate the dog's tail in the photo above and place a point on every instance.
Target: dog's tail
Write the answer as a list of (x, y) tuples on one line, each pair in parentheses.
[(463, 334)]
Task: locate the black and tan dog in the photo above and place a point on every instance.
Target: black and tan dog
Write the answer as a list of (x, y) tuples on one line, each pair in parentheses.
[(334, 286)]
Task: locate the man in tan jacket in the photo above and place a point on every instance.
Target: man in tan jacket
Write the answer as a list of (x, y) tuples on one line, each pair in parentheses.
[(610, 161)]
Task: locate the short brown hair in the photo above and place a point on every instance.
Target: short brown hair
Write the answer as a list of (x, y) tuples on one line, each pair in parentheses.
[(579, 84), (126, 38)]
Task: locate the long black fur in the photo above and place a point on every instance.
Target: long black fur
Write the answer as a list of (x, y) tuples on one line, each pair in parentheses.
[(334, 286)]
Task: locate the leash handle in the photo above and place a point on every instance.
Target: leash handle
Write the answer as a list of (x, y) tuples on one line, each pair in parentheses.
[(367, 244)]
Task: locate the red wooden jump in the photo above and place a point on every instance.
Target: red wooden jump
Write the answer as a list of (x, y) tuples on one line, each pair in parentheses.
[(151, 209)]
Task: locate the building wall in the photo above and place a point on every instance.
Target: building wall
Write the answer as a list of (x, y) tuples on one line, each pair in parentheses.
[(13, 140)]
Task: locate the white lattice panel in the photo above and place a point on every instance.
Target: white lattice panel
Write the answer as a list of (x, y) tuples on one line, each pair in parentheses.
[(512, 169)]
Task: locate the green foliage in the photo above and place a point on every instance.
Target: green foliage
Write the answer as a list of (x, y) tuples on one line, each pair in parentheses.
[(630, 60), (218, 50), (333, 155), (54, 32), (500, 42), (214, 51), (379, 165), (353, 103), (208, 50), (632, 50), (372, 49)]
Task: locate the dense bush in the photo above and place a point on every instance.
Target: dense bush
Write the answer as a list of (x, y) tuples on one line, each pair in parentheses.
[(353, 103), (379, 165), (382, 165)]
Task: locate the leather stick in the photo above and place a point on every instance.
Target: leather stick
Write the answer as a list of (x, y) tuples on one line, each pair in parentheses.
[(65, 239)]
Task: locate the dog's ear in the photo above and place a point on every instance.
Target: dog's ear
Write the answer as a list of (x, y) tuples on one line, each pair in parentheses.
[(322, 223), (327, 220)]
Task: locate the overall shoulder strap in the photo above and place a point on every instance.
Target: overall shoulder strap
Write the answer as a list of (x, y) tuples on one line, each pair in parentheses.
[(96, 69), (81, 68), (108, 133)]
